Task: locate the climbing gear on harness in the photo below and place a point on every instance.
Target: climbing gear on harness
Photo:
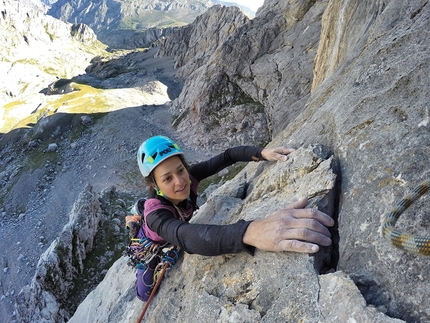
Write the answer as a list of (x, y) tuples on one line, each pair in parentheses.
[(153, 151), (144, 254), (147, 250), (151, 259), (141, 251), (416, 244)]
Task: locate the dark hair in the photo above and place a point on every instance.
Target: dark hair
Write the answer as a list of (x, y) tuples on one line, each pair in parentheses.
[(149, 180)]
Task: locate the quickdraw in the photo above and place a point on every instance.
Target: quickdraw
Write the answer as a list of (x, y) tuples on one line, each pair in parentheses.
[(141, 252)]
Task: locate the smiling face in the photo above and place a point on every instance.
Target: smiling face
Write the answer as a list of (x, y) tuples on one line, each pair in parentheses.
[(173, 179)]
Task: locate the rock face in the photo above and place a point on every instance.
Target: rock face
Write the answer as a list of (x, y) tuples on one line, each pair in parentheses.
[(337, 287), (263, 66), (370, 103), (131, 39), (61, 263), (344, 82), (240, 287), (133, 24), (64, 264), (265, 288), (353, 76)]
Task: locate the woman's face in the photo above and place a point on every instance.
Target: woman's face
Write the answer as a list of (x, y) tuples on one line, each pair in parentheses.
[(172, 179)]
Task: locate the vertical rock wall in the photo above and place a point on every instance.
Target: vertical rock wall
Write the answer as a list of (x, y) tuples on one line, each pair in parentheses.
[(60, 264), (366, 63), (370, 103)]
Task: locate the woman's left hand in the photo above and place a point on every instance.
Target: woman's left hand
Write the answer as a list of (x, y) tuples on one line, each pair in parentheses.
[(278, 153), (291, 229)]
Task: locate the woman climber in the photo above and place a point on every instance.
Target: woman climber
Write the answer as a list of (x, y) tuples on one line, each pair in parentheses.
[(172, 200)]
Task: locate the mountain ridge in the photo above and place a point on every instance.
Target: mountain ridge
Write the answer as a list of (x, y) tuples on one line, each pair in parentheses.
[(125, 24)]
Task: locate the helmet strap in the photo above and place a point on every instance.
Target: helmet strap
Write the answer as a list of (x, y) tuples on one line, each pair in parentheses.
[(157, 189)]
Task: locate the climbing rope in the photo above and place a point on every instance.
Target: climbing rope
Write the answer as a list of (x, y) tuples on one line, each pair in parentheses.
[(413, 243)]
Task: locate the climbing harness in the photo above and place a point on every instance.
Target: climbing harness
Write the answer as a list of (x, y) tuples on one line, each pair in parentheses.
[(413, 243), (141, 252), (150, 258)]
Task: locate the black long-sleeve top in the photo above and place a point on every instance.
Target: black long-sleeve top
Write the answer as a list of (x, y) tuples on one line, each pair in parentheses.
[(204, 239)]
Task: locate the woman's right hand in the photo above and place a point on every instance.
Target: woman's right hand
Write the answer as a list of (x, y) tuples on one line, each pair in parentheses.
[(291, 229), (276, 154)]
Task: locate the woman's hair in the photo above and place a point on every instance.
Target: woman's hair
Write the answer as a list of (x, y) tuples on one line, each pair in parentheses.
[(149, 180)]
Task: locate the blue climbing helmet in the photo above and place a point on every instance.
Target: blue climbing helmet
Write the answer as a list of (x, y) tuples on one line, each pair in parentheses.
[(153, 151)]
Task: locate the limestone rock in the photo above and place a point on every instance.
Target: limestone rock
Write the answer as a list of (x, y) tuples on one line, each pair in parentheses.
[(117, 295), (132, 39), (372, 110), (268, 287), (238, 72), (52, 147), (195, 43), (367, 63), (83, 33), (60, 264), (336, 289), (352, 76)]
